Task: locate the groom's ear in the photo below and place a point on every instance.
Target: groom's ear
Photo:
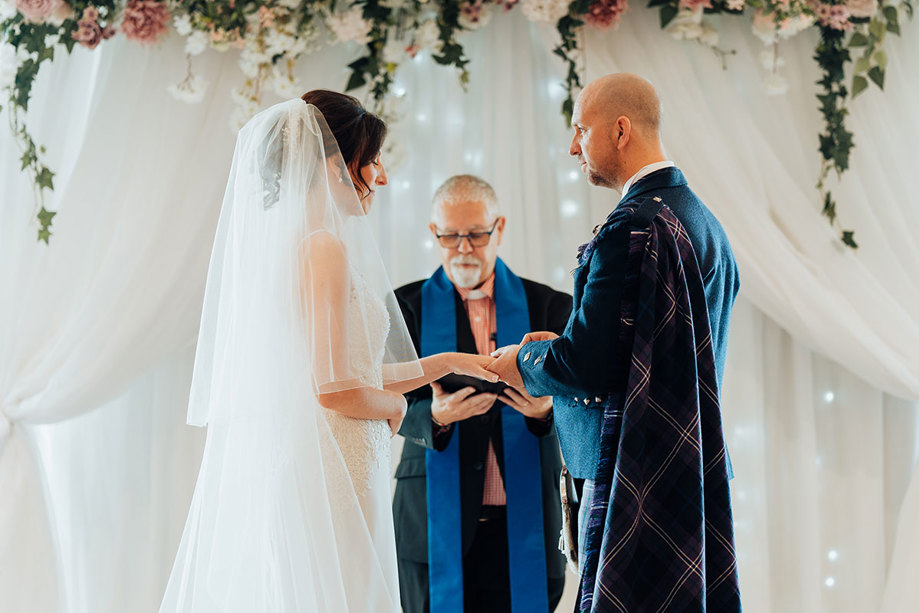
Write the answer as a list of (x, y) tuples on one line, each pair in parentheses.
[(623, 131)]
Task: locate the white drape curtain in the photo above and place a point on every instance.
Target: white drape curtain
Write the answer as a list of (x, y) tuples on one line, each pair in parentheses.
[(100, 323)]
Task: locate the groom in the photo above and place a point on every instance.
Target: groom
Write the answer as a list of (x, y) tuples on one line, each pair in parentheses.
[(636, 373), (476, 504)]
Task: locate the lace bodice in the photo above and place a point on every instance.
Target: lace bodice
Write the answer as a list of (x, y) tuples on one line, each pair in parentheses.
[(364, 443)]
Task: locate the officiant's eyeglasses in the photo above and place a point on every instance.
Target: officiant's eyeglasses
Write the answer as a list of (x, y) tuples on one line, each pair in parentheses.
[(476, 239)]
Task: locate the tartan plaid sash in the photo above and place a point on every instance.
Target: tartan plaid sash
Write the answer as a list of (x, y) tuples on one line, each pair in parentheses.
[(659, 534)]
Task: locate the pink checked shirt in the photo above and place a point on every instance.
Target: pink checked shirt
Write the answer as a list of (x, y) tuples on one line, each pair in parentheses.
[(480, 306)]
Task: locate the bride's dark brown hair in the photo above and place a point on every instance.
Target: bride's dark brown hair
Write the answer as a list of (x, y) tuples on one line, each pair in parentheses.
[(359, 133)]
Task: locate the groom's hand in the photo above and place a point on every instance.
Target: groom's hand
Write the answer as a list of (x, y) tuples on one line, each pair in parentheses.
[(538, 336), (505, 366)]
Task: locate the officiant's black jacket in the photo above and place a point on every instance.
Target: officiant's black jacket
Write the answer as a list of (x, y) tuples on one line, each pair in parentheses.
[(549, 310)]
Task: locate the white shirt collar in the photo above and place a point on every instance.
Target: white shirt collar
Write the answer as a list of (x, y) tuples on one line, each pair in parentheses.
[(644, 172)]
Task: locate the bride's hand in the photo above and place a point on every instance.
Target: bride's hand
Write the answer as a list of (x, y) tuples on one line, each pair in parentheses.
[(472, 365), (395, 422)]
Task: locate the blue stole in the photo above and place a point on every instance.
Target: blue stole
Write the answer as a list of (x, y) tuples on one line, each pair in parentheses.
[(522, 478)]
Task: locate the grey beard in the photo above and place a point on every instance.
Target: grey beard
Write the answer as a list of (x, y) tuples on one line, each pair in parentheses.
[(465, 278)]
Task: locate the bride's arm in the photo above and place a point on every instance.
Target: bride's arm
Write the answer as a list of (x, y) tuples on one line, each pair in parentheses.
[(325, 291), (436, 366)]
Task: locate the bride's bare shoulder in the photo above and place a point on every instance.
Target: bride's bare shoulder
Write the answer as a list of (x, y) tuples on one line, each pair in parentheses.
[(325, 249)]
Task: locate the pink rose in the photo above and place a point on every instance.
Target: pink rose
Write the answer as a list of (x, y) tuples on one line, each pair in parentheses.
[(694, 4), (862, 8), (90, 13), (606, 13), (145, 20), (88, 34), (38, 11)]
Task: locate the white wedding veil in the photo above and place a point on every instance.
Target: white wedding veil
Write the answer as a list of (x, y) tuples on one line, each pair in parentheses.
[(275, 523)]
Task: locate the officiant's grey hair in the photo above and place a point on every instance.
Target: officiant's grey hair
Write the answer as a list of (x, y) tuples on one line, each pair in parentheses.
[(465, 188)]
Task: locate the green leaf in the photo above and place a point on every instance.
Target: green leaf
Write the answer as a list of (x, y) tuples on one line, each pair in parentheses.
[(44, 180), (45, 216), (667, 15), (880, 58), (859, 84), (357, 79), (858, 40), (862, 64), (829, 208), (848, 238), (26, 159), (655, 3), (877, 27), (876, 74), (893, 28), (44, 234), (892, 15)]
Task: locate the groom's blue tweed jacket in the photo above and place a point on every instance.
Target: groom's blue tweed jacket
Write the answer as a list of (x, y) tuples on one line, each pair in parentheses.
[(576, 367)]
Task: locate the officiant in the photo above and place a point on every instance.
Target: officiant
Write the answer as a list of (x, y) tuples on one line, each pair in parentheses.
[(476, 508)]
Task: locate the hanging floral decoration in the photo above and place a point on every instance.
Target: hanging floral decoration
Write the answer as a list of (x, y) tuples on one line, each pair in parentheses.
[(271, 35)]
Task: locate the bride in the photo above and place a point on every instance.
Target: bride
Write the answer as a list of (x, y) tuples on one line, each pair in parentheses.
[(301, 361)]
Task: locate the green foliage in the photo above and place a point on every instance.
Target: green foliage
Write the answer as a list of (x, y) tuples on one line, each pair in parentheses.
[(233, 20)]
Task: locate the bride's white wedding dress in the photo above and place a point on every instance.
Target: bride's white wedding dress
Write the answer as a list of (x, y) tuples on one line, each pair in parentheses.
[(291, 511), (365, 443)]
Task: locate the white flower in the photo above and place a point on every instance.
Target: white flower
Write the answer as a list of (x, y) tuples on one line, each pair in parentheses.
[(735, 5), (793, 25), (251, 60), (283, 84), (764, 27), (427, 36), (475, 17), (687, 25), (279, 42), (709, 36), (291, 4), (196, 43), (182, 24), (394, 50), (769, 60), (395, 4), (775, 84), (191, 90), (350, 25), (8, 65), (7, 9), (545, 11)]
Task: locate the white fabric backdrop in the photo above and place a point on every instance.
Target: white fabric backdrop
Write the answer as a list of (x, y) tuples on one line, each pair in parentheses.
[(90, 320)]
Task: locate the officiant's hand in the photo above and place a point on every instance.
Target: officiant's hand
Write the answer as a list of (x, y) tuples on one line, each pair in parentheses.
[(505, 366), (529, 406), (449, 408)]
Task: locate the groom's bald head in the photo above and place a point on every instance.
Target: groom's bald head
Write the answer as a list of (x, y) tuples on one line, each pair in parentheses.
[(617, 121), (624, 94)]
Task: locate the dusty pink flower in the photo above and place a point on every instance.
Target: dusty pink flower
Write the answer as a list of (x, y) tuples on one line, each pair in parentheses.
[(694, 4), (145, 20), (862, 8), (265, 16), (38, 11), (88, 34), (412, 50), (834, 16), (90, 13), (606, 13)]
